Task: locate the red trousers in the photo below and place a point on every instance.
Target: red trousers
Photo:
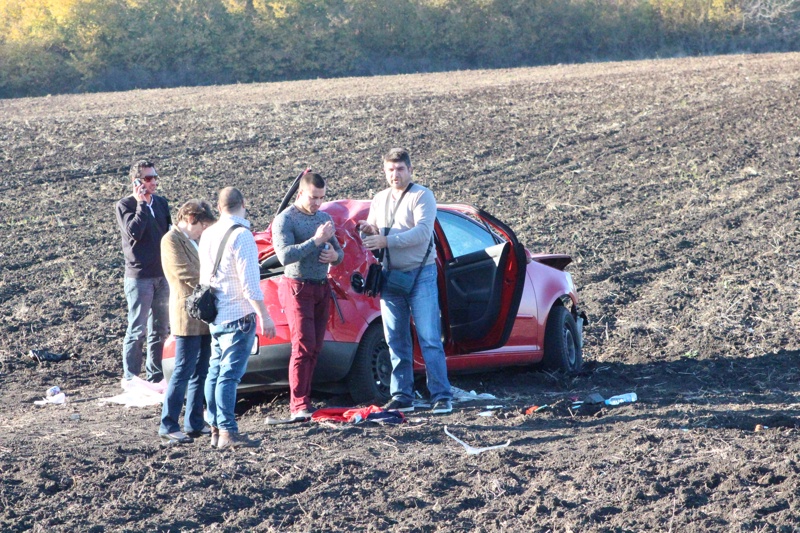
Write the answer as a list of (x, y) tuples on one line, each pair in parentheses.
[(306, 306)]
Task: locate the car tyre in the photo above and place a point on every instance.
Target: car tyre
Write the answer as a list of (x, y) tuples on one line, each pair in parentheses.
[(562, 349), (370, 375)]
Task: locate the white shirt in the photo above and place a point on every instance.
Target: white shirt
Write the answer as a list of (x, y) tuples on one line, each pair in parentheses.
[(237, 280)]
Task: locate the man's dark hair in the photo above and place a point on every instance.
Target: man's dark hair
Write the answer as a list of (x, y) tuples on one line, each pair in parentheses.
[(136, 168), (230, 198), (313, 179), (195, 211), (397, 155)]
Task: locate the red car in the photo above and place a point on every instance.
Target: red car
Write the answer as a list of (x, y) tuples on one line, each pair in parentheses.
[(500, 306)]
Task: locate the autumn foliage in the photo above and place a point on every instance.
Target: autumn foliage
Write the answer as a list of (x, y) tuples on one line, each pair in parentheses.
[(57, 46)]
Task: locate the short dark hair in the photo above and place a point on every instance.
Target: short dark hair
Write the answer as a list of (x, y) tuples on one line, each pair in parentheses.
[(397, 155), (230, 198), (313, 179), (136, 168), (195, 211)]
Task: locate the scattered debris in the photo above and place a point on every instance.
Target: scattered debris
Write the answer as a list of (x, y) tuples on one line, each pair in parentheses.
[(44, 355), (53, 396), (593, 398), (138, 393), (628, 397), (535, 408), (460, 395), (472, 450), (357, 415)]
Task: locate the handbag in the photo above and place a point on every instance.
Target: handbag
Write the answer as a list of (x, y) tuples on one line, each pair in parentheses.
[(399, 282), (202, 304)]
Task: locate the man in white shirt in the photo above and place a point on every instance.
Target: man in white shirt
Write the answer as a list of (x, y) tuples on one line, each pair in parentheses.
[(239, 301)]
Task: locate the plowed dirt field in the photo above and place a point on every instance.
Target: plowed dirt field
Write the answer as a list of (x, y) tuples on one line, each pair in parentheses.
[(672, 183)]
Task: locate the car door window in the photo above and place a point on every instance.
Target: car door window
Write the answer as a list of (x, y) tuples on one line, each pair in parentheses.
[(465, 235)]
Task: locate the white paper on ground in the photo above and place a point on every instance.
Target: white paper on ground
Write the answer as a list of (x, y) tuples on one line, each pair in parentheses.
[(58, 399), (460, 395), (139, 393)]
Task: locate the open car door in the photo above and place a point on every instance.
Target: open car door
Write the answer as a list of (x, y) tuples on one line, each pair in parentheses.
[(484, 273)]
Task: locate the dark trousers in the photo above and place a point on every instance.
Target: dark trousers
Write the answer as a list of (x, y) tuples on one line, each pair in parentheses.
[(192, 354), (306, 307)]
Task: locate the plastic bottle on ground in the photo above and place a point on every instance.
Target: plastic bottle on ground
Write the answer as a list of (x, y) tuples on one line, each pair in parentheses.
[(622, 398)]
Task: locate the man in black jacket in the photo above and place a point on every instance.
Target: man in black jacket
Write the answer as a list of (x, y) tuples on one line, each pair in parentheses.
[(143, 219)]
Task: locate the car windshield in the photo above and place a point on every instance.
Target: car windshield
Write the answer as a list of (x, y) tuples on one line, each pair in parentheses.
[(465, 235)]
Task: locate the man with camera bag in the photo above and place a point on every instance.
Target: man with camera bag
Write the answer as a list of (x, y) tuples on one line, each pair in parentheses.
[(400, 222), (239, 300)]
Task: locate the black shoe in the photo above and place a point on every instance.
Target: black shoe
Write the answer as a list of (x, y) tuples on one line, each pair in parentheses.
[(442, 407), (399, 405)]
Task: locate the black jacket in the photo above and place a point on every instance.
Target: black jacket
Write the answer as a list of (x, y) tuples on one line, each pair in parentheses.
[(141, 235)]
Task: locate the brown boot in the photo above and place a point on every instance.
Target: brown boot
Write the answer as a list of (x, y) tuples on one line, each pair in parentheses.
[(214, 436), (232, 439)]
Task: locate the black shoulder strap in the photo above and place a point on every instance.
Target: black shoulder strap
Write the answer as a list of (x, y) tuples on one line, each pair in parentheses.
[(390, 221), (222, 247)]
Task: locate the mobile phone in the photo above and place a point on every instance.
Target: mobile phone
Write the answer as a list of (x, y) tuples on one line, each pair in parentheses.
[(137, 183)]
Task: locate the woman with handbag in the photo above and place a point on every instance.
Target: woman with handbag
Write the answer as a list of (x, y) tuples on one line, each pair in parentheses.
[(181, 262)]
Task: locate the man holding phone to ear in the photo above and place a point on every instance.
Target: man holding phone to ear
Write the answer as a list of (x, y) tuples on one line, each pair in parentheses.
[(143, 219)]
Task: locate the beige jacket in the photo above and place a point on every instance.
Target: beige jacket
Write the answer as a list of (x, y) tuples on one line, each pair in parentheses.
[(182, 269)]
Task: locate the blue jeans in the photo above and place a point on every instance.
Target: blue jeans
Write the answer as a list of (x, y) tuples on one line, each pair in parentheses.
[(148, 301), (397, 310), (192, 354), (231, 343)]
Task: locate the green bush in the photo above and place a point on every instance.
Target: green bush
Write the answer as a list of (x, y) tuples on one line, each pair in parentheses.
[(91, 45)]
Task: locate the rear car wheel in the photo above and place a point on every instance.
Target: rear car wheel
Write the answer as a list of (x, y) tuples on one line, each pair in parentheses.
[(370, 375), (562, 349)]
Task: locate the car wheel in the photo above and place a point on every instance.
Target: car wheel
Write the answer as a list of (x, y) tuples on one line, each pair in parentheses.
[(369, 377), (562, 349)]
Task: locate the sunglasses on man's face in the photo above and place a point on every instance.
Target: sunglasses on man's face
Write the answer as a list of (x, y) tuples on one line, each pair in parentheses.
[(149, 178)]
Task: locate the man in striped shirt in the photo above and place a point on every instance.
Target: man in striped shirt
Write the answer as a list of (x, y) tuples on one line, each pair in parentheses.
[(239, 301)]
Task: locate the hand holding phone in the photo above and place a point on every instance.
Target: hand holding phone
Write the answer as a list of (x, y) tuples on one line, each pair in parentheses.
[(138, 189)]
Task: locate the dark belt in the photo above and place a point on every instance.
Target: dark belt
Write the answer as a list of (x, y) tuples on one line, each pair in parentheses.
[(311, 281)]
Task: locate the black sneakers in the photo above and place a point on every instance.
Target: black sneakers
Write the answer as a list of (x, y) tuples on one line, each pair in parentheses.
[(399, 405), (442, 407)]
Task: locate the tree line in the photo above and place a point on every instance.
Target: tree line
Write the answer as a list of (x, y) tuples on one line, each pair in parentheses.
[(64, 46)]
